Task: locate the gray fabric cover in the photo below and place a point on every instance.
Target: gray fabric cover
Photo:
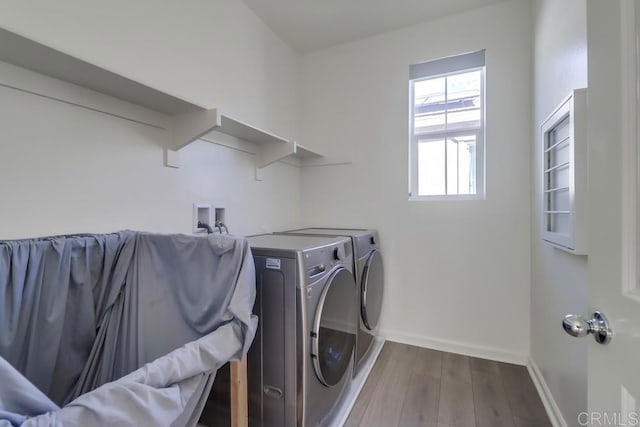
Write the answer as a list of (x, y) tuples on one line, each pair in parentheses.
[(19, 398), (52, 293), (81, 311)]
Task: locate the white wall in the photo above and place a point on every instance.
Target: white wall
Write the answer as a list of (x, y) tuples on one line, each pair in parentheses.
[(457, 272), (64, 169), (214, 52), (559, 280)]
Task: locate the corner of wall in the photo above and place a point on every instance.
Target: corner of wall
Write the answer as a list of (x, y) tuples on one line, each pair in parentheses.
[(549, 402)]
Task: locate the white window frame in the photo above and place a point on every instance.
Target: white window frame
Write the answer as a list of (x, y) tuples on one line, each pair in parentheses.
[(478, 131)]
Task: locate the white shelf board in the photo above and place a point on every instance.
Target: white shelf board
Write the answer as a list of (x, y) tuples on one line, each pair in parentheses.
[(188, 127), (303, 152), (247, 132), (271, 153), (23, 52), (189, 121)]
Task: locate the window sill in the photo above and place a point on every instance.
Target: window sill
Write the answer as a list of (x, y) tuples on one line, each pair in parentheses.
[(447, 198)]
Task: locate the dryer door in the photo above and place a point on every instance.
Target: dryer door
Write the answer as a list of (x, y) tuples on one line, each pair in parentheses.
[(334, 329), (372, 283)]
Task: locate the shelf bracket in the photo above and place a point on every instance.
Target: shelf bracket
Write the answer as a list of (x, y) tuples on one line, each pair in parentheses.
[(171, 158), (271, 153), (258, 174), (188, 127)]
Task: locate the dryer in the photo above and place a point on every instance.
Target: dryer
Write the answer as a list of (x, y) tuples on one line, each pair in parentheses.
[(300, 363), (369, 275)]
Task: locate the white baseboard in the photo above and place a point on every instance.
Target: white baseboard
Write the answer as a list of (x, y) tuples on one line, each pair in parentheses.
[(353, 390), (466, 349), (557, 420)]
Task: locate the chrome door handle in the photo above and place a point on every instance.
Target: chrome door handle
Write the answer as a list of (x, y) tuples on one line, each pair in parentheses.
[(577, 326)]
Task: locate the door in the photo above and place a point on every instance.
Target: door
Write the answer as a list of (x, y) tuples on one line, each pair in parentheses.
[(372, 284), (334, 329), (614, 369)]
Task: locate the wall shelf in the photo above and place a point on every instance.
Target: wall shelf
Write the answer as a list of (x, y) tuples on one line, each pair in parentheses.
[(303, 152), (271, 154), (186, 121), (34, 56), (189, 127)]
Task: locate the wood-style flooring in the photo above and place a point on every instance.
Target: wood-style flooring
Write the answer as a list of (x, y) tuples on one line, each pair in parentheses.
[(412, 386)]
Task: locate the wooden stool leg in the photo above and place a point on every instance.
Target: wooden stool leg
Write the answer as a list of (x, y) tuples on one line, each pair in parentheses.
[(239, 405)]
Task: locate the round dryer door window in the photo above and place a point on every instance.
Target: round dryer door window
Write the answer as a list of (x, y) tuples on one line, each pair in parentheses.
[(372, 290), (334, 329)]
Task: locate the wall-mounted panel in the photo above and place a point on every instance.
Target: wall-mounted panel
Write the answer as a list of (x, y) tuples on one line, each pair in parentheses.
[(564, 173)]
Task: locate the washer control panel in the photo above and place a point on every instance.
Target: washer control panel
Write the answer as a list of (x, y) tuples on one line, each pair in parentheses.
[(323, 260), (318, 269)]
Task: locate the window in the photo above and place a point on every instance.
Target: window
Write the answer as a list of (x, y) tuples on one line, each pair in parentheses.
[(446, 153)]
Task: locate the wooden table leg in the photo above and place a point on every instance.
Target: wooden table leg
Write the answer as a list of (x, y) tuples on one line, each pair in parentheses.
[(239, 405)]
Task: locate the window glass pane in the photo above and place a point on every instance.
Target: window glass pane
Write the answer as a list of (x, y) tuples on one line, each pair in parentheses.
[(467, 164), (429, 105), (458, 166), (461, 165), (431, 175), (463, 101), (452, 166)]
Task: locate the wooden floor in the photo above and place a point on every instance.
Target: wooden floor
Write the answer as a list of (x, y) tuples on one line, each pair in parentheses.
[(411, 386)]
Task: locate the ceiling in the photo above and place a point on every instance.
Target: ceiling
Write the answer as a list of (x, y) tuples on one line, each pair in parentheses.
[(308, 25)]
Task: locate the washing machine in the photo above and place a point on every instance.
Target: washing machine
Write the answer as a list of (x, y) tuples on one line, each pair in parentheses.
[(369, 276), (300, 364)]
